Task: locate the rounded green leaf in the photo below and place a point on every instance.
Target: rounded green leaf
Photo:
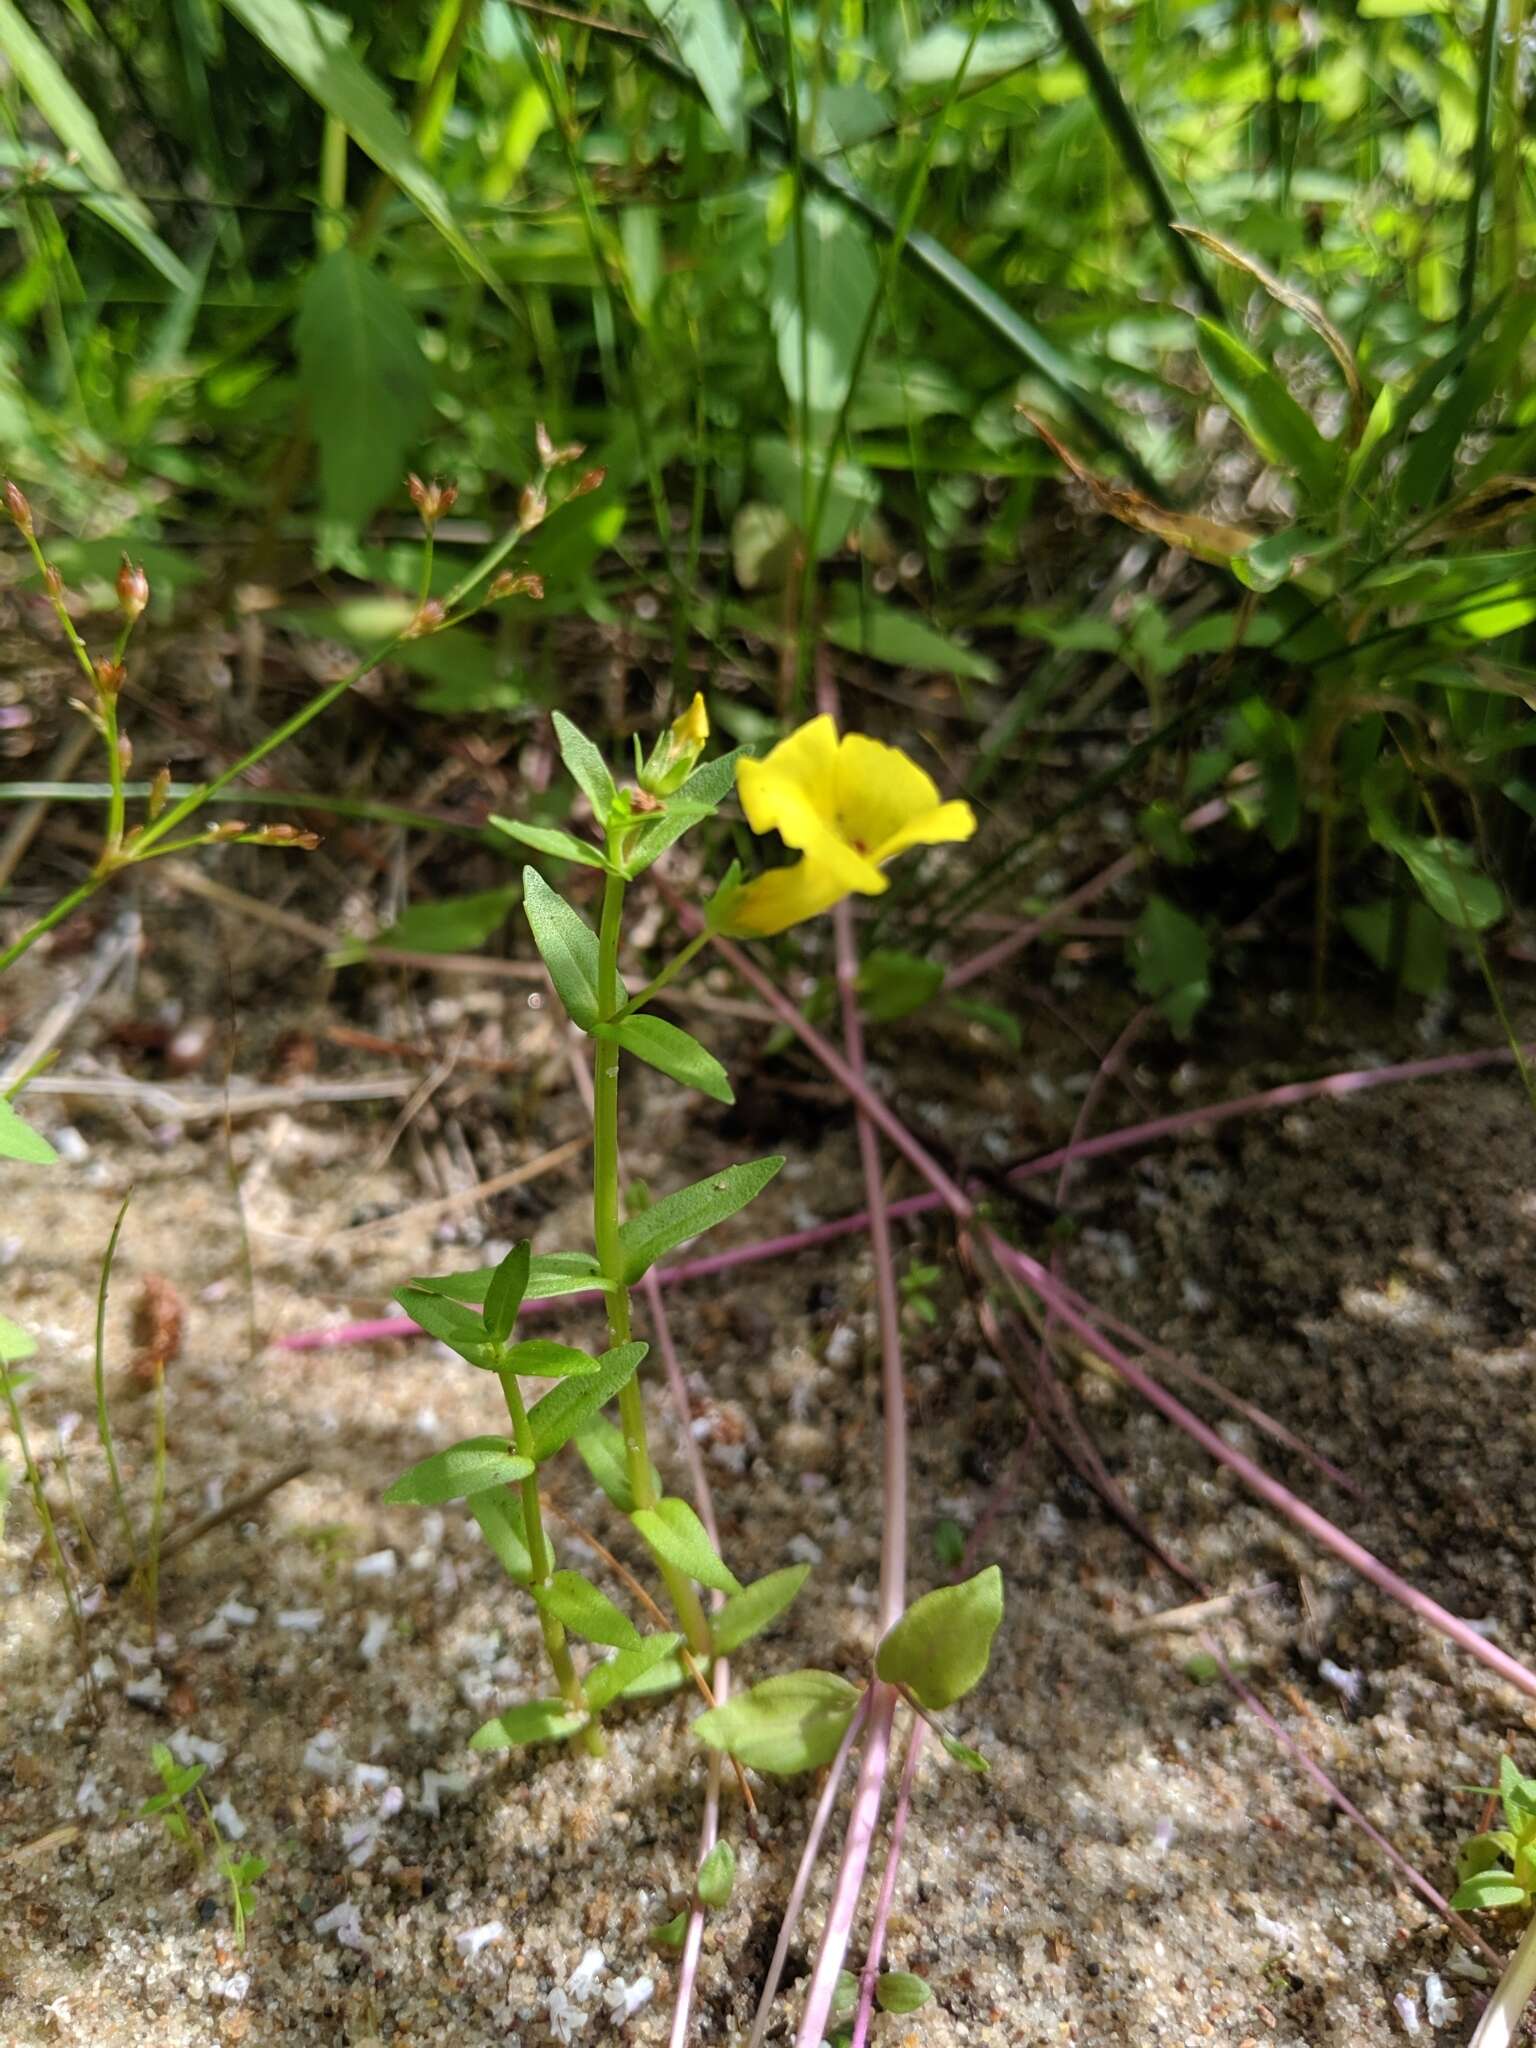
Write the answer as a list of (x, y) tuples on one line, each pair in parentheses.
[(677, 1537), (18, 1140), (473, 1466), (605, 1682), (748, 1612), (900, 1991), (717, 1875), (790, 1723), (587, 1610), (534, 1721), (939, 1648)]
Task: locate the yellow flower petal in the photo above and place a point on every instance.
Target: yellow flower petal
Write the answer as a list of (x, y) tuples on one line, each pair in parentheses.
[(692, 729), (786, 896), (879, 792), (945, 822), (794, 793)]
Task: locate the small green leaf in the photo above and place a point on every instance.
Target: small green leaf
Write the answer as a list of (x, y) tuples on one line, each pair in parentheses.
[(962, 1753), (602, 1450), (1171, 959), (717, 1876), (1490, 1888), (460, 1328), (749, 1612), (948, 1543), (605, 1682), (464, 1469), (542, 1358), (15, 1345), (1278, 427), (534, 1721), (688, 1212), (568, 946), (569, 1407), (671, 1052), (939, 1648), (677, 1537), (549, 839), (549, 1274), (504, 1296), (456, 924), (845, 1996), (712, 781), (500, 1516), (900, 1991), (588, 769), (18, 1140), (672, 1933), (893, 984), (667, 1674), (587, 1609), (790, 1723), (1453, 885)]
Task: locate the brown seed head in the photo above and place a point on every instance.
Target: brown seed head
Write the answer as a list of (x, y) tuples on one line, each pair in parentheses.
[(53, 583), (158, 1319), (592, 481), (16, 504), (431, 500), (531, 508), (132, 590), (524, 584), (427, 620), (110, 676)]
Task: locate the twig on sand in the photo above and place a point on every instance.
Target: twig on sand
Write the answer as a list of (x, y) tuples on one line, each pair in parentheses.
[(228, 1511)]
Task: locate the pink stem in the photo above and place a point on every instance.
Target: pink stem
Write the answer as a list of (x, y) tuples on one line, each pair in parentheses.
[(808, 1857), (888, 1882), (862, 1821)]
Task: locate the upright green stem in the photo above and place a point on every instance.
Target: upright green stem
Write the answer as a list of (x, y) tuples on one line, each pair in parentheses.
[(103, 1419), (556, 1647), (610, 1257)]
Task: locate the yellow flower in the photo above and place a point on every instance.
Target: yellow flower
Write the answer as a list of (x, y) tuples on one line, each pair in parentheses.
[(674, 754), (847, 806), (692, 729)]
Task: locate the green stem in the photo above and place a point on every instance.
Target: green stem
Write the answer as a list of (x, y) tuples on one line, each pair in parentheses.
[(556, 1647), (156, 1507), (65, 907), (103, 1420), (610, 1256), (667, 976)]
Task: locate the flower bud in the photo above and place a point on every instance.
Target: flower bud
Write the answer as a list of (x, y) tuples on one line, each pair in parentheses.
[(674, 754), (159, 790), (551, 457), (109, 677), (525, 584), (19, 509), (592, 481), (232, 828), (427, 620), (431, 500), (132, 590), (531, 507), (287, 835), (53, 582)]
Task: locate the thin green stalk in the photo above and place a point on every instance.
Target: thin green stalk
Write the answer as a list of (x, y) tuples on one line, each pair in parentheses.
[(44, 1512), (156, 1507), (103, 1420), (610, 1256), (556, 1648), (667, 976)]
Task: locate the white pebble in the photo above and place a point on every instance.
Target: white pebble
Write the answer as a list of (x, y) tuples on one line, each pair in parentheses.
[(473, 1939), (391, 1803), (229, 1822), (104, 1671), (1345, 1683), (345, 1922), (378, 1564), (582, 1981), (375, 1636), (148, 1691), (360, 1838), (234, 1988), (804, 1549), (368, 1777), (322, 1754), (196, 1749), (238, 1615), (565, 2019), (302, 1620), (1407, 2010), (88, 1799), (1439, 2009), (435, 1783), (210, 1635), (625, 2000)]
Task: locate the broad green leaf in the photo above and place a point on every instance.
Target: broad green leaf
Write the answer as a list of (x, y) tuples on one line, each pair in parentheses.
[(749, 1612), (790, 1723), (500, 1516), (460, 1328), (587, 1610), (1278, 427), (504, 1296), (690, 1211), (534, 1721), (456, 924), (18, 1140), (900, 1991), (903, 640), (588, 770), (601, 1445), (818, 339), (314, 45), (568, 946), (605, 1682), (15, 1344), (708, 36), (676, 1535), (464, 1469), (45, 84), (550, 1274), (550, 839), (1171, 959), (570, 1407), (368, 386), (672, 1052), (1453, 884), (542, 1358), (717, 1876), (939, 1648), (1423, 961), (894, 984)]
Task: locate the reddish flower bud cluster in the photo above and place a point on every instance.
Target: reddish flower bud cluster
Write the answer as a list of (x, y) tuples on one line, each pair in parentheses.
[(551, 457), (524, 584), (19, 509), (110, 676), (427, 620), (132, 590), (431, 500)]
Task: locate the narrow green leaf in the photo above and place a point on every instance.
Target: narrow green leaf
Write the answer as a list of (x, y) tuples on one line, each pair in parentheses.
[(542, 1358), (313, 44), (1453, 884), (605, 1682), (601, 1445), (1492, 1888), (903, 640), (455, 924), (504, 1296), (568, 946), (368, 385), (570, 1406), (655, 835), (587, 1609), (500, 1516), (749, 1612), (708, 37), (672, 1933), (672, 1052), (717, 1876), (588, 770), (900, 1991), (819, 328), (464, 1469), (550, 839), (790, 1723), (690, 1211), (18, 1140), (460, 1328), (1278, 427), (676, 1535), (712, 781), (549, 1275), (939, 1648), (972, 1759), (534, 1721)]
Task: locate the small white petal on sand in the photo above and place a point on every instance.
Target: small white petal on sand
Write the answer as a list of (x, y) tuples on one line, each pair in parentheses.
[(473, 1939), (346, 1923)]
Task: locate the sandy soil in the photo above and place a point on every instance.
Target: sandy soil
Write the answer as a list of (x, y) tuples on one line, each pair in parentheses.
[(1143, 1864)]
